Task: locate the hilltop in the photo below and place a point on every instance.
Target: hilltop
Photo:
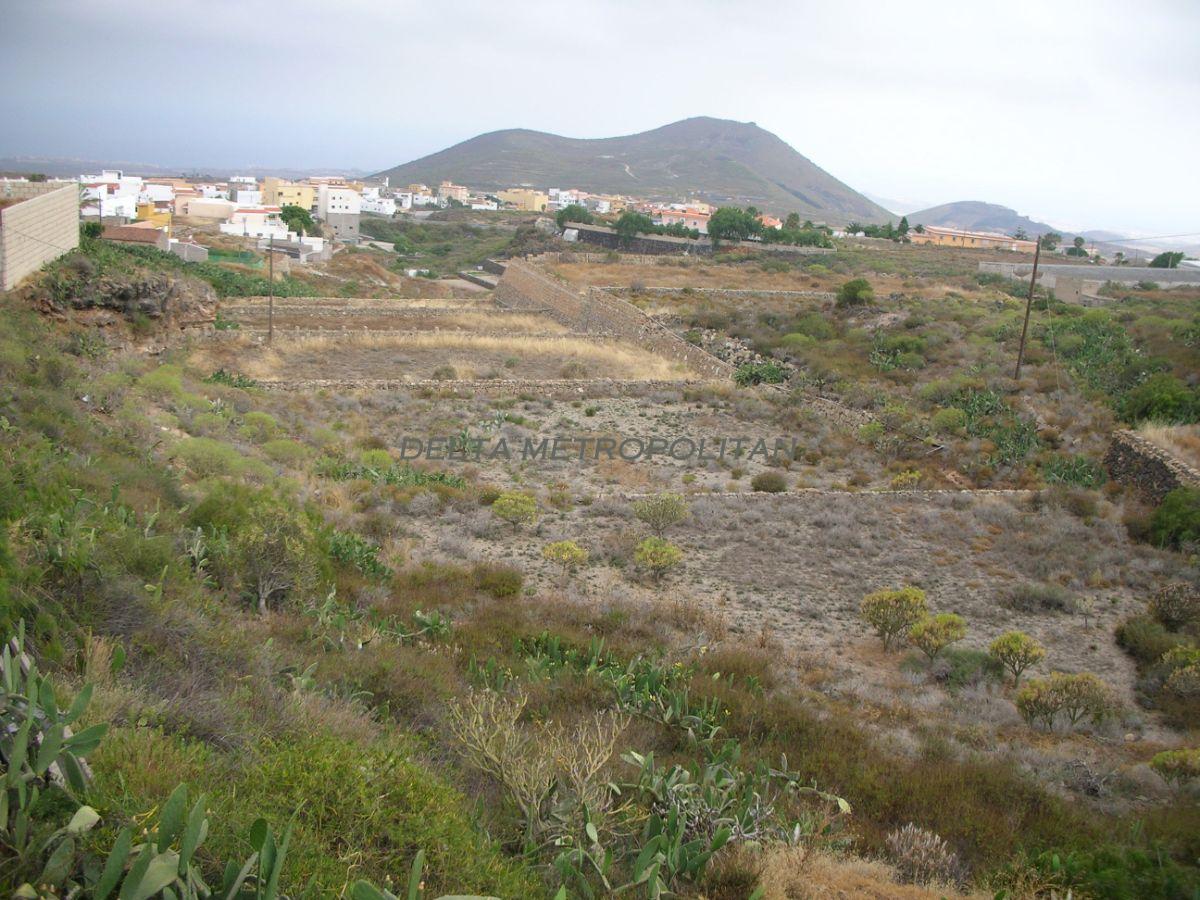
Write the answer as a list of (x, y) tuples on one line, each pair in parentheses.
[(716, 160), (975, 215)]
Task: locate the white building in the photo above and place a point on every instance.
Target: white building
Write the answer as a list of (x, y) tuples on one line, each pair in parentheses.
[(381, 206), (213, 191), (157, 193), (484, 204), (250, 198), (244, 179), (260, 222), (337, 200), (424, 200), (404, 199)]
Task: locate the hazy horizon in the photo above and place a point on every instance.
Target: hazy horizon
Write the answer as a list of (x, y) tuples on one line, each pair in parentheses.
[(1057, 112)]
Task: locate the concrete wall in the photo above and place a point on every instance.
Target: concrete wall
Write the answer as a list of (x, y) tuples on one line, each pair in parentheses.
[(42, 226), (523, 287), (1049, 275), (1146, 467)]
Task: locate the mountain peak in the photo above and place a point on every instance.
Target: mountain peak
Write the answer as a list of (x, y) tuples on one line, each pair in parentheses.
[(721, 161)]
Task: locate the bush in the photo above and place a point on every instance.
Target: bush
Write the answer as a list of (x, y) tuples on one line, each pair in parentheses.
[(1176, 522), (660, 512), (1177, 766), (1035, 598), (922, 857), (515, 508), (1160, 398), (933, 634), (259, 427), (1078, 471), (1177, 606), (657, 556), (262, 545), (354, 550), (769, 482), (285, 451), (444, 373), (1078, 696), (815, 326), (1146, 640), (497, 580), (565, 554), (950, 420), (856, 292), (768, 372), (893, 612), (1016, 651), (207, 457)]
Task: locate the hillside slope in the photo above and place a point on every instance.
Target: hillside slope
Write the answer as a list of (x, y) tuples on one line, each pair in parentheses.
[(716, 160), (975, 215)]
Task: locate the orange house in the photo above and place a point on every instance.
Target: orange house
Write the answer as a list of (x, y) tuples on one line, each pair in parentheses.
[(975, 240)]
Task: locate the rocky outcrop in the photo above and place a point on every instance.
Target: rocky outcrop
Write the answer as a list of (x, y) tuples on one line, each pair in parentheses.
[(169, 301)]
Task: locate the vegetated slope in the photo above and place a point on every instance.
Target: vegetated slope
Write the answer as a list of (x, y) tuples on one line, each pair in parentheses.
[(716, 160), (975, 215)]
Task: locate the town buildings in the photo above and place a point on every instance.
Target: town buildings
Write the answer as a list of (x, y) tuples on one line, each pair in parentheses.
[(977, 240), (525, 199)]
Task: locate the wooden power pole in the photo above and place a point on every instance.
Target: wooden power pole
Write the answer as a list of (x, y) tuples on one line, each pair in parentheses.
[(1028, 305), (271, 293)]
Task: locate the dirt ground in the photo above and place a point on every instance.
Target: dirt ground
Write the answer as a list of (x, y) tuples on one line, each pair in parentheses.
[(418, 357)]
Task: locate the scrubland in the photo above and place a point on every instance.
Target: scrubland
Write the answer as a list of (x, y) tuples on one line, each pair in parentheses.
[(559, 679)]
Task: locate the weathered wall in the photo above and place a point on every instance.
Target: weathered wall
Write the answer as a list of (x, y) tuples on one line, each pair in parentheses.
[(42, 226), (1049, 274), (660, 244), (558, 389), (523, 287), (731, 293), (1152, 471)]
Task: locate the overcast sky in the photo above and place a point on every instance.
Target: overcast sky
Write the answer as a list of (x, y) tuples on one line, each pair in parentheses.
[(1084, 114)]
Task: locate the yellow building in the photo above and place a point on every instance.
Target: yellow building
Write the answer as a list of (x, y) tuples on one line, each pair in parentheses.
[(277, 192), (975, 240), (159, 218), (525, 199)]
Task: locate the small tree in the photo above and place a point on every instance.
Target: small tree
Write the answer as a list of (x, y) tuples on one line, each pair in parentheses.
[(1082, 694), (657, 556), (1016, 651), (515, 508), (1176, 606), (855, 292), (298, 219), (631, 224), (660, 512), (893, 612), (934, 634), (1178, 767), (573, 213), (1038, 702), (1167, 260), (566, 554), (1050, 240)]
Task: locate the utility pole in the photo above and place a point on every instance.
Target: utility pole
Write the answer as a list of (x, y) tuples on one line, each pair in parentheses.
[(271, 291), (1028, 305)]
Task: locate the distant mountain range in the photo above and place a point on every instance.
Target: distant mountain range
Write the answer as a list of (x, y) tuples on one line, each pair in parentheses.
[(974, 215), (714, 160)]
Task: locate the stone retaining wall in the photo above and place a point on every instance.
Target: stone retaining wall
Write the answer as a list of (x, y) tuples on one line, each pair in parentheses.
[(1152, 471), (556, 389), (720, 292), (524, 288)]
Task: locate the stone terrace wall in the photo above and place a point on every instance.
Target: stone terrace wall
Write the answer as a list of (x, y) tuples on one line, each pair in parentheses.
[(522, 287), (660, 244), (1151, 470), (732, 293), (554, 388)]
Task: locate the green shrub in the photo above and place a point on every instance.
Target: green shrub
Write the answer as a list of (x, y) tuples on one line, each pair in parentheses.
[(1117, 873), (1146, 640), (231, 379), (375, 459), (1016, 652), (950, 420), (1177, 766), (497, 580), (657, 556), (815, 326), (1079, 471), (1160, 398), (768, 372), (893, 612), (660, 512), (1176, 522), (163, 383), (206, 457), (285, 451), (856, 292), (934, 634), (515, 508), (769, 482), (259, 427), (351, 549)]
